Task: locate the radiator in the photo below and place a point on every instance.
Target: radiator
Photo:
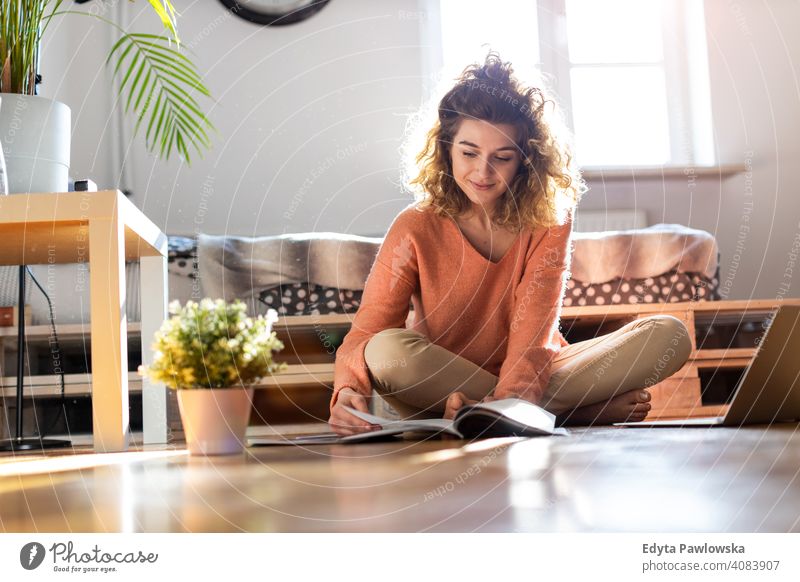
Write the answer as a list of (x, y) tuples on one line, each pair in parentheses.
[(600, 220)]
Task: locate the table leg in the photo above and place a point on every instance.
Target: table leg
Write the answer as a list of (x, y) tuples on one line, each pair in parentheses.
[(153, 281), (109, 334)]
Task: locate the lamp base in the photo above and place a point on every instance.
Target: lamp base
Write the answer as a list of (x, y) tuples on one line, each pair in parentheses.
[(32, 444)]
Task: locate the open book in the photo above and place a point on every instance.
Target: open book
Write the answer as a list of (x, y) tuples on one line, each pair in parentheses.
[(499, 418)]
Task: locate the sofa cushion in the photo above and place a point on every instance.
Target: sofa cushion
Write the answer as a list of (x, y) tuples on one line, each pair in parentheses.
[(240, 267), (600, 257), (607, 267), (667, 288), (310, 299)]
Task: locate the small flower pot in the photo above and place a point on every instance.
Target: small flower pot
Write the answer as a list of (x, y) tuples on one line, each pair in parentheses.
[(215, 421)]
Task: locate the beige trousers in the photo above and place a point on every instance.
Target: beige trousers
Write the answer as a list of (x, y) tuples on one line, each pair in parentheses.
[(415, 376)]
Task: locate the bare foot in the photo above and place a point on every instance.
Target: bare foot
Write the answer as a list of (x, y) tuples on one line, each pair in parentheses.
[(631, 406)]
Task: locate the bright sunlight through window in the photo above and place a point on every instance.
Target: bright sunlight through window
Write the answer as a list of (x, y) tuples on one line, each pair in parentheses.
[(631, 75)]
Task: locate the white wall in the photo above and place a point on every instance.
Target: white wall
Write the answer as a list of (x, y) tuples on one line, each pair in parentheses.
[(72, 65), (310, 117), (754, 63)]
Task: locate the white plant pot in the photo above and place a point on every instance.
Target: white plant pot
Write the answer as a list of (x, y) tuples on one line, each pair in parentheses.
[(35, 133), (215, 421)]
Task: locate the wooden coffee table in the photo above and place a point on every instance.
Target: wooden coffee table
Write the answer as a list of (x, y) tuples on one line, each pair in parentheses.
[(103, 229)]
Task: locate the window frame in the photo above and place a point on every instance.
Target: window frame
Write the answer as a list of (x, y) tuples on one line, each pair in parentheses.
[(686, 131)]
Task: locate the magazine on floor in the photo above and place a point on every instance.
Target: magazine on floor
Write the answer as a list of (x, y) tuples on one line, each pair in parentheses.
[(498, 418)]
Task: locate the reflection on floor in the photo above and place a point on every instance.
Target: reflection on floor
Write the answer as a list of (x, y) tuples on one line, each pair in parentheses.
[(605, 479)]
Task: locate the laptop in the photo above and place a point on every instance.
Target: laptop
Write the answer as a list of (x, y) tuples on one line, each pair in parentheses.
[(769, 389)]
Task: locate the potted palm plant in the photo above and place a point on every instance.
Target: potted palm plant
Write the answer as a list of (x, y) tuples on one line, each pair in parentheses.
[(211, 352), (159, 85)]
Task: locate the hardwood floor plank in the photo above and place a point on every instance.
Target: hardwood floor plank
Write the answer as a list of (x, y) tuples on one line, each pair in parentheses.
[(602, 480)]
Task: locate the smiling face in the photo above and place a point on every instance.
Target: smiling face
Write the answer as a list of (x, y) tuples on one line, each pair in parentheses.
[(485, 159)]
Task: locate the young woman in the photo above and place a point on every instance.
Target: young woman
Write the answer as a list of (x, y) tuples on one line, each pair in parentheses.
[(483, 255)]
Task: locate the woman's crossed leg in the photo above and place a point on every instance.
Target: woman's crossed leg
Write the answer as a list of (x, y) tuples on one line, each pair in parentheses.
[(598, 381)]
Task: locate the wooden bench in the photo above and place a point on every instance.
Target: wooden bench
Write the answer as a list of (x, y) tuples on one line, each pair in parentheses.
[(310, 343), (302, 393)]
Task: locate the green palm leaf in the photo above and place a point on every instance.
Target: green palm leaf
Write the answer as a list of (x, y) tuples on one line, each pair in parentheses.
[(166, 12), (160, 83)]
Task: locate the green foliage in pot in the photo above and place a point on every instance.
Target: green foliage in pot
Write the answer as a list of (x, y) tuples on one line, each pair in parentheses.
[(213, 344), (159, 83)]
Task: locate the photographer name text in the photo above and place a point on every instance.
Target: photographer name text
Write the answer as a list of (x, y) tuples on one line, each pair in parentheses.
[(660, 549)]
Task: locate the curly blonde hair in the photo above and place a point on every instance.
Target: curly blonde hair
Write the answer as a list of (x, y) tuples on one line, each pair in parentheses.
[(547, 186)]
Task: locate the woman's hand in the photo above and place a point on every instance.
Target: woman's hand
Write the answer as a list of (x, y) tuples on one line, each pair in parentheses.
[(344, 423), (456, 400)]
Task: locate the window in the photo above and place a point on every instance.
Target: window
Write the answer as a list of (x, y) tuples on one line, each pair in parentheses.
[(631, 75), (469, 27)]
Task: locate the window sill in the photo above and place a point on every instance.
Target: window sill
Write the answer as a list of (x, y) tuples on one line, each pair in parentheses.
[(659, 172)]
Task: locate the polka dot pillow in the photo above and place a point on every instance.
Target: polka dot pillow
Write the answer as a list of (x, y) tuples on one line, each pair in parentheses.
[(182, 253), (667, 288), (310, 299), (181, 247)]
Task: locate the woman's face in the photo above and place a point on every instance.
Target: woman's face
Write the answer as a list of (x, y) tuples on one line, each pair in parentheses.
[(485, 159)]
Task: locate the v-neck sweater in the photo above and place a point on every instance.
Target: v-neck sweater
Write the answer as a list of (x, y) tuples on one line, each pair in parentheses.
[(503, 316)]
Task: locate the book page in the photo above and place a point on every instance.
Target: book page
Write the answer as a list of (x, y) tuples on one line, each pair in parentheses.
[(321, 439), (517, 410), (416, 424)]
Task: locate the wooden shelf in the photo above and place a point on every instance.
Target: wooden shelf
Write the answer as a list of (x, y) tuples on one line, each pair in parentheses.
[(45, 385), (725, 354), (64, 331), (300, 375), (312, 322), (706, 311), (678, 396), (50, 385)]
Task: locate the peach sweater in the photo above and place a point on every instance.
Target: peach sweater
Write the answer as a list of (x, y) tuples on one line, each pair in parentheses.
[(501, 316)]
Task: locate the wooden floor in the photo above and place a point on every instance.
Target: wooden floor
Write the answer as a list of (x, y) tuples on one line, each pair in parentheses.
[(605, 479)]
